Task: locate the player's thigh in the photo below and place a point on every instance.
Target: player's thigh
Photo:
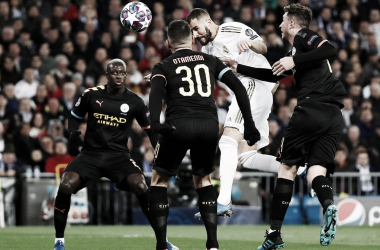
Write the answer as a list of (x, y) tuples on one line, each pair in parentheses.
[(203, 150), (168, 154), (87, 166), (118, 168), (324, 148)]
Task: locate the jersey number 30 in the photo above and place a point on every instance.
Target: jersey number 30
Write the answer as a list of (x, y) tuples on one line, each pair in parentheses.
[(197, 79)]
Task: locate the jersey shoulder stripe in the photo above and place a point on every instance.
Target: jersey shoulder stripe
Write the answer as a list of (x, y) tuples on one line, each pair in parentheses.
[(102, 87)]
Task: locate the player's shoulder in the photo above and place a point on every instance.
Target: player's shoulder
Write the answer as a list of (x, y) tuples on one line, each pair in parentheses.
[(94, 90), (134, 96), (232, 26), (306, 35)]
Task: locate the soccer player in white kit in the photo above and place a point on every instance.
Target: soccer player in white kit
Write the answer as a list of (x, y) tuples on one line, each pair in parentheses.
[(240, 43)]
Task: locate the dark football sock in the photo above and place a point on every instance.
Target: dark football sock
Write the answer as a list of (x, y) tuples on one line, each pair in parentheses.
[(61, 209), (207, 208), (144, 204), (159, 211), (280, 202), (323, 188)]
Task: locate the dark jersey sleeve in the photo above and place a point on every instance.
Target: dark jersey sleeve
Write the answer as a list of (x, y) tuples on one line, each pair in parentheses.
[(307, 39), (221, 68), (80, 108), (143, 116), (158, 83)]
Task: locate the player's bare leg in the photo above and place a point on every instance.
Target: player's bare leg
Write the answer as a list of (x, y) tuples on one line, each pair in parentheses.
[(249, 158), (316, 176), (69, 182), (207, 208), (159, 207)]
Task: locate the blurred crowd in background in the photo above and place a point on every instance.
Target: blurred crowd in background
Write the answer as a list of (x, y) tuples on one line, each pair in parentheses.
[(50, 51)]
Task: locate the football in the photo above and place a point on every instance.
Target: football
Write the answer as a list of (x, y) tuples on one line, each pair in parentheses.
[(136, 16)]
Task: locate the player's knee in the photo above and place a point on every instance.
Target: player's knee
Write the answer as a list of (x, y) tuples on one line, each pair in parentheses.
[(139, 187), (227, 142), (66, 187)]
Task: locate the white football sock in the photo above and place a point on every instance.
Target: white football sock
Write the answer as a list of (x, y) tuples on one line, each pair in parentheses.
[(228, 164), (261, 162), (61, 239)]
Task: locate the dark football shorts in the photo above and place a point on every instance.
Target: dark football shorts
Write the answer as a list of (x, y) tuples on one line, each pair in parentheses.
[(92, 165), (312, 136), (198, 135)]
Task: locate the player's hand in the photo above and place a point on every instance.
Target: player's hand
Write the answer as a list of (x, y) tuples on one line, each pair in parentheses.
[(251, 134), (147, 77), (244, 45), (230, 63), (283, 65), (164, 129)]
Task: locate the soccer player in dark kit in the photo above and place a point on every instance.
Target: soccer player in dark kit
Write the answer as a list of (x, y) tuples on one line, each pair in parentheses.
[(314, 130), (111, 109), (188, 78)]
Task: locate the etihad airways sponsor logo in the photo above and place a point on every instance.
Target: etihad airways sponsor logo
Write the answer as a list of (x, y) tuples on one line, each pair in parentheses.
[(109, 119)]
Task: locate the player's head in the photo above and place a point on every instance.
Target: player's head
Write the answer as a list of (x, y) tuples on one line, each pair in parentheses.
[(179, 35), (116, 73), (200, 23), (296, 17)]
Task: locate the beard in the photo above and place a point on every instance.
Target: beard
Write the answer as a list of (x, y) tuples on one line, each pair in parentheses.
[(204, 40)]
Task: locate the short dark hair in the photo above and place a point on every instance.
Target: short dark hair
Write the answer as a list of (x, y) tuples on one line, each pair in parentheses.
[(179, 31), (196, 13), (302, 14)]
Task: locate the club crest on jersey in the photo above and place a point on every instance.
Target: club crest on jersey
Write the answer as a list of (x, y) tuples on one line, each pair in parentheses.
[(225, 50), (124, 108), (78, 102), (312, 39)]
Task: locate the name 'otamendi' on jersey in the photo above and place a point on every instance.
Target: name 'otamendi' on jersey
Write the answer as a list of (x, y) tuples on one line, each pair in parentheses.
[(190, 80)]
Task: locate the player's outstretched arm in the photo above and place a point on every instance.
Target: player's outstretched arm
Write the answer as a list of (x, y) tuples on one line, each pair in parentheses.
[(255, 45), (251, 134), (257, 73)]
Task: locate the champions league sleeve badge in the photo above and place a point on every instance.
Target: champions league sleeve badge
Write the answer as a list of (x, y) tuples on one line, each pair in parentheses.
[(250, 34)]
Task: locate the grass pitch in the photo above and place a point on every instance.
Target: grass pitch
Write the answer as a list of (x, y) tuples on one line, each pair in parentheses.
[(185, 237)]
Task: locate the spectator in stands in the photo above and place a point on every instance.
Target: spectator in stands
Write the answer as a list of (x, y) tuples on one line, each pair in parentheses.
[(32, 21), (374, 25), (70, 10), (347, 111), (106, 42), (47, 60), (5, 14), (114, 28), (158, 42), (25, 110), (28, 48), (279, 100), (149, 52), (27, 87), (367, 125), (17, 26), (68, 51), (25, 144), (352, 141), (47, 144), (40, 100), (65, 30), (275, 50), (14, 53), (324, 20), (38, 126), (54, 110), (9, 91), (82, 48), (95, 67), (341, 162), (8, 118), (69, 98), (275, 137), (60, 156), (7, 36), (36, 65), (5, 139), (375, 96), (283, 116), (8, 71), (364, 168), (355, 93), (134, 75), (61, 73), (9, 165)]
